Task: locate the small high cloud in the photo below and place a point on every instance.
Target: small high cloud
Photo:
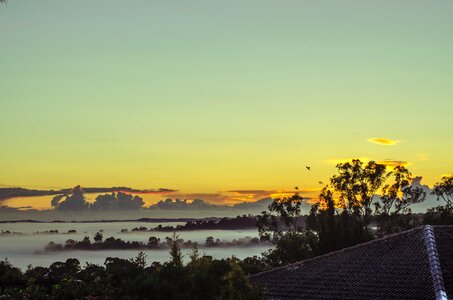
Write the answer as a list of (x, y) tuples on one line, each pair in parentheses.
[(383, 141)]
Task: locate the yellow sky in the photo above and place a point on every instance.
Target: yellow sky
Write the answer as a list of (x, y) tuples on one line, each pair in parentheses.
[(207, 98)]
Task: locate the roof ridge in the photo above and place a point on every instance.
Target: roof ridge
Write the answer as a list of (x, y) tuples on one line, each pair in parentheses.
[(378, 240), (434, 263)]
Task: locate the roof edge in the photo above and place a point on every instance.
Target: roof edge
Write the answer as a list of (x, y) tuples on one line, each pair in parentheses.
[(434, 263), (378, 240)]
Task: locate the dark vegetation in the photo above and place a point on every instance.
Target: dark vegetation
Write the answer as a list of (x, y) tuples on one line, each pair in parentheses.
[(112, 243), (361, 202), (51, 231), (143, 220), (202, 278), (240, 222)]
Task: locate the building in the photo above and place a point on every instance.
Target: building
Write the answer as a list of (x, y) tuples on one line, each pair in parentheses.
[(414, 264)]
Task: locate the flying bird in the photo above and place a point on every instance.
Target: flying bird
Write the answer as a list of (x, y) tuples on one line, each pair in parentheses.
[(308, 168), (296, 188), (320, 182)]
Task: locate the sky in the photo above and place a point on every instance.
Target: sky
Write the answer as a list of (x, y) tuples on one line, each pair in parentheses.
[(209, 97)]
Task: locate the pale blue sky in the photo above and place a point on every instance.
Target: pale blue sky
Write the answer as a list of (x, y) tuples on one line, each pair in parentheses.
[(214, 95)]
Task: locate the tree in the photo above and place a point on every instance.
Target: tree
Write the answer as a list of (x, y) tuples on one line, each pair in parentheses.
[(9, 276), (175, 252), (323, 220), (358, 195), (292, 247), (392, 210), (202, 278), (281, 224), (356, 185), (444, 190), (153, 242), (283, 215), (140, 260), (210, 241), (400, 195), (98, 237), (442, 215)]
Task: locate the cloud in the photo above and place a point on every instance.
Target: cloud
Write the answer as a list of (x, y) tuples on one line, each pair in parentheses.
[(230, 196), (383, 141), (388, 162), (199, 204), (74, 202), (178, 204), (393, 163), (115, 201), (12, 192), (128, 190), (253, 199)]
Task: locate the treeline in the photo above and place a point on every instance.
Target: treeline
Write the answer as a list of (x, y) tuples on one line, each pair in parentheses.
[(240, 222), (202, 278), (112, 243), (45, 232)]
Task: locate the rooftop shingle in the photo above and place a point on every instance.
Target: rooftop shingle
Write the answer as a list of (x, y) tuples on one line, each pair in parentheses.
[(395, 267)]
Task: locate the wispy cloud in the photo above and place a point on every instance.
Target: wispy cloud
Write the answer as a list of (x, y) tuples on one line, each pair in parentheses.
[(383, 141), (393, 163)]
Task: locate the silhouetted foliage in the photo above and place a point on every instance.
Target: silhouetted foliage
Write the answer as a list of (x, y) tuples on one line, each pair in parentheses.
[(343, 213), (392, 211), (113, 243), (356, 185), (283, 216), (282, 225), (202, 278), (360, 195), (444, 190), (98, 237), (442, 215), (240, 222)]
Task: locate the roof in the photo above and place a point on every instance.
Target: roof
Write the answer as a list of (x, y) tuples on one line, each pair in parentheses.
[(414, 264)]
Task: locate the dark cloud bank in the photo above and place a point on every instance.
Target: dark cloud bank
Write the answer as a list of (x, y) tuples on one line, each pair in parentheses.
[(12, 192), (120, 201), (122, 205)]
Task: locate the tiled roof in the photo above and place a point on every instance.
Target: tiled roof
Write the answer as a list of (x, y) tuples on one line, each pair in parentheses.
[(444, 242), (415, 264)]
